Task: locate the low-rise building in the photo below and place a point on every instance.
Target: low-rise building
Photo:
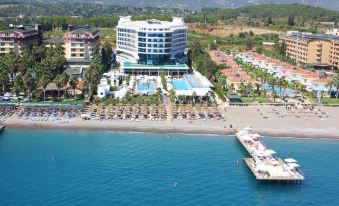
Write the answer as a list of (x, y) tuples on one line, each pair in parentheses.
[(15, 38)]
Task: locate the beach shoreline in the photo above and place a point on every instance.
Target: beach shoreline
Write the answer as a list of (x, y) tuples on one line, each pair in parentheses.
[(293, 134)]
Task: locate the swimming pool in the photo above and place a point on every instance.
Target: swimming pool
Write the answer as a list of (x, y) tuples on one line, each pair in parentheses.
[(146, 87), (194, 82), (179, 84), (284, 92)]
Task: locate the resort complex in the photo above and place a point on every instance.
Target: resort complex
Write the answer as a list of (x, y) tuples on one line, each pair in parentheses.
[(158, 103)]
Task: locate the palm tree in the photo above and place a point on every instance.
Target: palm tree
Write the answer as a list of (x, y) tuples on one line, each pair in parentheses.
[(242, 88), (29, 80), (64, 81), (335, 83), (194, 95), (58, 83), (274, 93), (73, 82), (3, 74), (43, 81)]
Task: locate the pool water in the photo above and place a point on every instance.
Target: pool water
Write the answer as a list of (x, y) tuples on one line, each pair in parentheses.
[(146, 87), (179, 84), (284, 92)]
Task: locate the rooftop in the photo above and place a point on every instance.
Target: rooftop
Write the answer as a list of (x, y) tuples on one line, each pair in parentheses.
[(20, 29), (153, 23)]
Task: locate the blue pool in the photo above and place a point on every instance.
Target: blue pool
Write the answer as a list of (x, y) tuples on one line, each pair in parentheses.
[(194, 82), (146, 87), (284, 92), (179, 84)]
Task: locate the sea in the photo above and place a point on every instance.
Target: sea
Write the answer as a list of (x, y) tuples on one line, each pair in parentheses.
[(52, 167)]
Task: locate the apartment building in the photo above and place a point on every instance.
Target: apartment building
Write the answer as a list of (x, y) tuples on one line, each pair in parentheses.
[(17, 37), (334, 32), (307, 48), (81, 44)]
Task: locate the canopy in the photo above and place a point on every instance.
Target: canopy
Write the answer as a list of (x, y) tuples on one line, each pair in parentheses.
[(262, 167), (290, 160), (295, 165), (271, 151)]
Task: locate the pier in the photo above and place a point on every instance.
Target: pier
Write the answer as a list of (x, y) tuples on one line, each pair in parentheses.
[(263, 164), (2, 127)]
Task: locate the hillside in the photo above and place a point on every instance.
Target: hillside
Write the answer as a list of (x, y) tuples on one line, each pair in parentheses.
[(198, 4), (209, 14)]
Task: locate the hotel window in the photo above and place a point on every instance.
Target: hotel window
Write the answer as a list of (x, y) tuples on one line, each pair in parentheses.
[(82, 50), (81, 55), (73, 50), (73, 55)]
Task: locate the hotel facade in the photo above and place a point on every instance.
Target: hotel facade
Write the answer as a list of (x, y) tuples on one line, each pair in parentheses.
[(81, 44), (151, 43), (15, 38), (307, 48)]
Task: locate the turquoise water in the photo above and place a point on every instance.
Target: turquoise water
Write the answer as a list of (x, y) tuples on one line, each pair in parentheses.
[(106, 168), (179, 84), (146, 87)]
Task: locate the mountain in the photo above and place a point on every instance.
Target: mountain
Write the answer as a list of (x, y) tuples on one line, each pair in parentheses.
[(195, 4)]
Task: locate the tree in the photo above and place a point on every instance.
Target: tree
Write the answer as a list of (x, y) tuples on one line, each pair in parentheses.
[(290, 20), (3, 74), (64, 82), (58, 83), (172, 95), (73, 82), (92, 74), (269, 20), (249, 44), (106, 54), (335, 83), (163, 80), (43, 81), (29, 80)]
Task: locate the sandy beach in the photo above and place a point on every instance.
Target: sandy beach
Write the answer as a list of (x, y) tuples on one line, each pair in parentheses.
[(322, 123)]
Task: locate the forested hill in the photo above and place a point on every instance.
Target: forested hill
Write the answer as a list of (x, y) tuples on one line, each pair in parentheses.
[(208, 14), (197, 4), (272, 10)]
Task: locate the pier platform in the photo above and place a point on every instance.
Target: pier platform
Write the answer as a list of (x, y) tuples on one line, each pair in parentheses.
[(263, 163)]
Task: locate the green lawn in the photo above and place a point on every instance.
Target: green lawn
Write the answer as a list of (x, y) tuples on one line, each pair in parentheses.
[(56, 101), (257, 99), (327, 100)]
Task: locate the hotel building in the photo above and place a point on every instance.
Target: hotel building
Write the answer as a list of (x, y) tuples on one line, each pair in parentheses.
[(151, 43), (81, 44), (15, 38), (307, 48)]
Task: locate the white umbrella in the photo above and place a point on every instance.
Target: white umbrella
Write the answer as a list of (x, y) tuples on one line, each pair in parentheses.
[(295, 165), (262, 167), (271, 151), (290, 160)]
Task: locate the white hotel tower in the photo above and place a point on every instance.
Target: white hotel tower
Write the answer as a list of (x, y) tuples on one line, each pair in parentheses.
[(151, 42)]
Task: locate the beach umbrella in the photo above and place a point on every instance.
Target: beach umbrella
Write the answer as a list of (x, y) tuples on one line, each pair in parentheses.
[(295, 165), (269, 151), (290, 160)]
